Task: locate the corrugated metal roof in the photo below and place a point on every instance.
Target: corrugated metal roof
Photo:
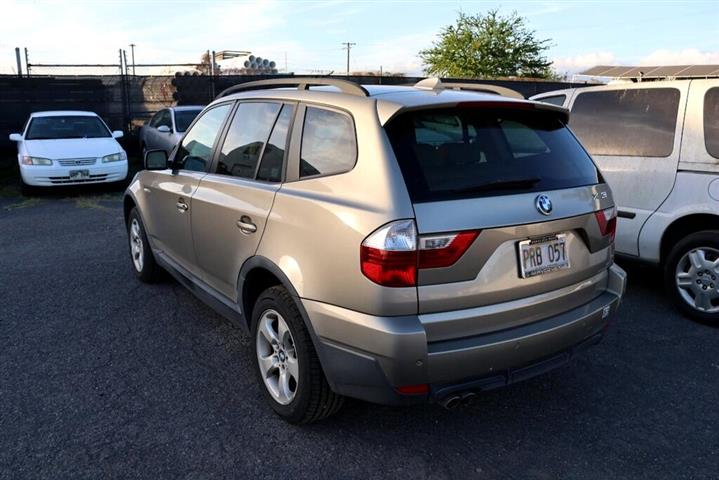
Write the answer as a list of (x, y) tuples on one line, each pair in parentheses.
[(648, 71)]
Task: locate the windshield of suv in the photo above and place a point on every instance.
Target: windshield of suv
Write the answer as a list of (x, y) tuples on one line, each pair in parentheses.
[(71, 126), (183, 119), (448, 154)]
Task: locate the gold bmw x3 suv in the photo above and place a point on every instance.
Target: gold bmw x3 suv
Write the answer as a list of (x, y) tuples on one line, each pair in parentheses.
[(392, 244)]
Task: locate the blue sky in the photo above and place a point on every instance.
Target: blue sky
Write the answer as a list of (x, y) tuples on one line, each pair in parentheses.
[(387, 33)]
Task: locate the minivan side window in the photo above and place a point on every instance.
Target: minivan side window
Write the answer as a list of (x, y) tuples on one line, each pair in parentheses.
[(711, 121), (195, 151), (246, 138), (554, 100), (328, 143), (634, 122)]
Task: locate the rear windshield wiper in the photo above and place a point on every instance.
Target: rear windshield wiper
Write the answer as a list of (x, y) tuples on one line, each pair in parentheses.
[(507, 184)]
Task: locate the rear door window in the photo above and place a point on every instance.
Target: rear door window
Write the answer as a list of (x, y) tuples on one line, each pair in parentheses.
[(636, 122), (462, 153), (274, 155), (711, 121), (246, 137), (328, 143)]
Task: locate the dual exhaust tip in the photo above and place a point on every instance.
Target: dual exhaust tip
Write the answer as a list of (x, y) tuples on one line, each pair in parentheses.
[(453, 401)]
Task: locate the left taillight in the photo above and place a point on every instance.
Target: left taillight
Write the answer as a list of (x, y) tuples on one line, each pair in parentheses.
[(393, 254), (607, 221)]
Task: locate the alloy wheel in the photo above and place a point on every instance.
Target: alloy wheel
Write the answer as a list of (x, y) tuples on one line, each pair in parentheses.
[(696, 279), (277, 357)]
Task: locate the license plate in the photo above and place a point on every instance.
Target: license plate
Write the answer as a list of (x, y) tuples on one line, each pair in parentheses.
[(79, 174), (543, 255)]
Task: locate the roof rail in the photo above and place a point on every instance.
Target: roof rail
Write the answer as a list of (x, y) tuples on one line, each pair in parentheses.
[(302, 83), (433, 83)]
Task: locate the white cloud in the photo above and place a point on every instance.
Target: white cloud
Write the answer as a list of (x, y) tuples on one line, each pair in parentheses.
[(687, 56), (584, 61)]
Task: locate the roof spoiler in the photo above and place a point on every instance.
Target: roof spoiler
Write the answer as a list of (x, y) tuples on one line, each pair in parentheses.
[(433, 83)]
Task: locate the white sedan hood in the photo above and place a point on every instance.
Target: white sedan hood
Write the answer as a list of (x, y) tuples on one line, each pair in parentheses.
[(72, 147)]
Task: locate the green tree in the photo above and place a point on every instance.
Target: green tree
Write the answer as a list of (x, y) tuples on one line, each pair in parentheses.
[(488, 46)]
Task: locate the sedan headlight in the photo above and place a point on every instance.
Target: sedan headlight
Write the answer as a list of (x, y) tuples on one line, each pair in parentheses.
[(36, 161), (115, 157)]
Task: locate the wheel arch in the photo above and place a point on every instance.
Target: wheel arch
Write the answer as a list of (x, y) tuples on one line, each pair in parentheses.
[(684, 226), (128, 203), (259, 273)]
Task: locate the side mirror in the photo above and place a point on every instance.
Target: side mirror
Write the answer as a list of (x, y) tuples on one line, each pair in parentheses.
[(164, 129), (156, 160), (118, 134), (15, 137)]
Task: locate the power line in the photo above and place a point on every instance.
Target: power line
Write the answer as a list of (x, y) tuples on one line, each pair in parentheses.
[(348, 46)]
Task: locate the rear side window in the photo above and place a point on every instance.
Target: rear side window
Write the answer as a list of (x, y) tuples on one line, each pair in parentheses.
[(711, 121), (635, 122), (555, 100), (246, 137), (462, 153), (328, 143)]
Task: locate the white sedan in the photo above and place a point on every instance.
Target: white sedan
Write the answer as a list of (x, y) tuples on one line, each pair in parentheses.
[(68, 147)]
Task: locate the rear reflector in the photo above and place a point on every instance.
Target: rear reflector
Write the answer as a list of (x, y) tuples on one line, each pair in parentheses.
[(607, 220), (418, 389), (392, 255)]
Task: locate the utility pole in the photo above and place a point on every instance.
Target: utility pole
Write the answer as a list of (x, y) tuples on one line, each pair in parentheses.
[(132, 49), (348, 46)]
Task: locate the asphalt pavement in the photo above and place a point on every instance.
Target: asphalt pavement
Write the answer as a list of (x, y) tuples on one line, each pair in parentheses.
[(104, 377)]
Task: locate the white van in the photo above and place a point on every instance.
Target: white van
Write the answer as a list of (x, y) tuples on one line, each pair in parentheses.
[(657, 145)]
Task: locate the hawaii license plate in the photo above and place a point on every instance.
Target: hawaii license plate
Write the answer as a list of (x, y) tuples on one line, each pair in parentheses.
[(543, 255)]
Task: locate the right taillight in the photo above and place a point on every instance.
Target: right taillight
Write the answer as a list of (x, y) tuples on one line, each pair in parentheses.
[(392, 255), (607, 220)]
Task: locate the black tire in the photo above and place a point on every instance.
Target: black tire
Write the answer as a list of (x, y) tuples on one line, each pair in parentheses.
[(149, 271), (314, 399), (708, 239)]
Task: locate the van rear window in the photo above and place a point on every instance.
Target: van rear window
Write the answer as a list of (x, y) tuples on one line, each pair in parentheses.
[(455, 153)]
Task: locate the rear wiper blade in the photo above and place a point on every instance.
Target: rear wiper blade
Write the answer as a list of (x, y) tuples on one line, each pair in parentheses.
[(508, 184)]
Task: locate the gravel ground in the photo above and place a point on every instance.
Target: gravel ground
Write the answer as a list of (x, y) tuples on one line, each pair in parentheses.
[(103, 377)]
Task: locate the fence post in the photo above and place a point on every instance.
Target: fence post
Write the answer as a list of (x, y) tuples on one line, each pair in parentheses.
[(27, 63), (125, 113)]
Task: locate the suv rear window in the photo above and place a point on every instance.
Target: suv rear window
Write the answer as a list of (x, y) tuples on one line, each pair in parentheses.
[(448, 154)]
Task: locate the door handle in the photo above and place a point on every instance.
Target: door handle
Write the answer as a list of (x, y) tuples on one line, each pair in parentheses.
[(245, 225), (181, 205)]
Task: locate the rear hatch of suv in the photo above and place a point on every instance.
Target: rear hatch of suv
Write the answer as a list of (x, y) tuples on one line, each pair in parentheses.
[(512, 216)]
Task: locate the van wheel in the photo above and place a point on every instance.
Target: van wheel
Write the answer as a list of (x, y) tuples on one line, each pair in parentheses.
[(287, 366), (143, 261), (691, 275)]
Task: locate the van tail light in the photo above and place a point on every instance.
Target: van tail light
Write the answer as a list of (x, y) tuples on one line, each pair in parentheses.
[(392, 255), (607, 220)]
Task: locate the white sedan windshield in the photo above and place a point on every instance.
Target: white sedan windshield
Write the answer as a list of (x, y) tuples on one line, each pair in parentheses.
[(71, 126)]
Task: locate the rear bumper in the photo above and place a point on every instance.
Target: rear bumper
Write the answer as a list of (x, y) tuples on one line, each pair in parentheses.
[(367, 357), (56, 175)]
